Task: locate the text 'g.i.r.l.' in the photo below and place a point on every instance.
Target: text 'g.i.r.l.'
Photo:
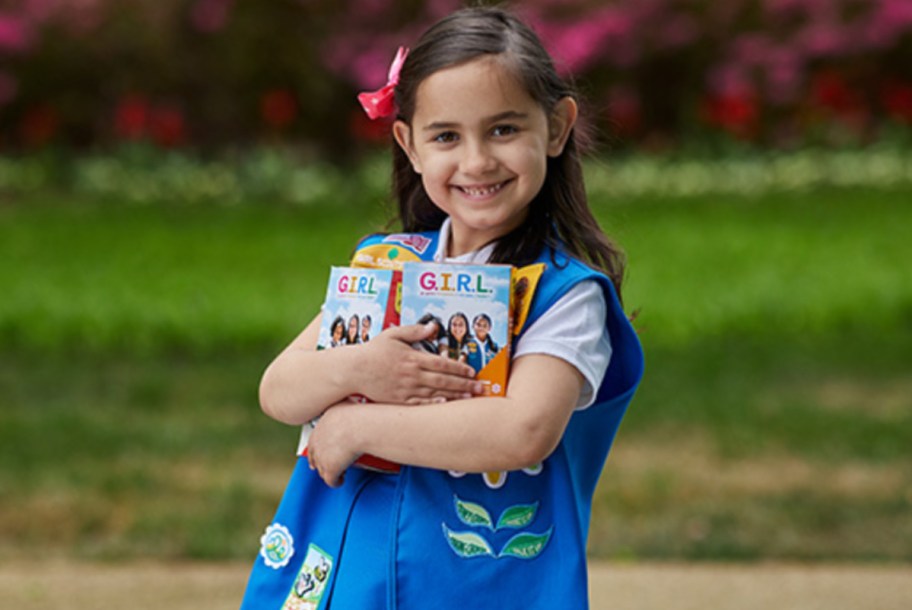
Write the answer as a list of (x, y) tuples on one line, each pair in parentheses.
[(462, 283)]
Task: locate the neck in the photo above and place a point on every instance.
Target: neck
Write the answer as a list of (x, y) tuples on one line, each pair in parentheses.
[(458, 245)]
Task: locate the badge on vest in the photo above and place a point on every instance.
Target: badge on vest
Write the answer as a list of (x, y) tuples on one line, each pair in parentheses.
[(469, 544), (310, 583), (276, 546)]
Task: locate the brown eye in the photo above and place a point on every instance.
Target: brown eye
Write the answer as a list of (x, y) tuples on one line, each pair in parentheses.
[(447, 137), (504, 130)]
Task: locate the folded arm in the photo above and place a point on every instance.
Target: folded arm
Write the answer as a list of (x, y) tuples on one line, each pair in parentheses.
[(474, 435)]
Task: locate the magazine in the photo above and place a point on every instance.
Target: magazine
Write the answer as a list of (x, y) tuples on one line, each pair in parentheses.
[(359, 303)]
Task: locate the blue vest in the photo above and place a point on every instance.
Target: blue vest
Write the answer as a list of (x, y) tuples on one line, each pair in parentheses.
[(501, 540)]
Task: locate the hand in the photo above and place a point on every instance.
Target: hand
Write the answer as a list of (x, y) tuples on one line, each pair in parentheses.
[(393, 371), (330, 448)]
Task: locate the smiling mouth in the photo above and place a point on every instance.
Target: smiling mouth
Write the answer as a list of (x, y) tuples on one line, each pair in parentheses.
[(482, 191)]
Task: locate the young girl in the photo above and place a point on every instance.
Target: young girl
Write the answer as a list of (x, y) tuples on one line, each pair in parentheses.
[(336, 331), (491, 506), (487, 348), (365, 329), (354, 327), (454, 345)]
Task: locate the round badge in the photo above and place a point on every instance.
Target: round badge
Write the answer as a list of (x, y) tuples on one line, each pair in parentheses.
[(276, 546)]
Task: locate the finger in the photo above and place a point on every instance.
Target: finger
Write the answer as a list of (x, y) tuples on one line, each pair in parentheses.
[(447, 366), (332, 479), (413, 332), (450, 385), (416, 401)]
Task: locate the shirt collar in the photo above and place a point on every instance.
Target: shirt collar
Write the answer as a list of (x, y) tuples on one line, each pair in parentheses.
[(476, 257)]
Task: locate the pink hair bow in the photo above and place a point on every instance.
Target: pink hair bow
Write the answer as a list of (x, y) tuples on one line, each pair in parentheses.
[(381, 103)]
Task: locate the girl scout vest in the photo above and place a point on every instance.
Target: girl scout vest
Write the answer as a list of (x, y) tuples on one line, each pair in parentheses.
[(454, 540)]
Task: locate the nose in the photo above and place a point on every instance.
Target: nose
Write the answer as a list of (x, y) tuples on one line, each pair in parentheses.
[(477, 159)]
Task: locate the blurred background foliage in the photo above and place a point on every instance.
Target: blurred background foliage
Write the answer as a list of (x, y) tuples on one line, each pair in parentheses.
[(211, 74)]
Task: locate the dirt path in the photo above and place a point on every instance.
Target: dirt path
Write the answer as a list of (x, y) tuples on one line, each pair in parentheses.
[(69, 586)]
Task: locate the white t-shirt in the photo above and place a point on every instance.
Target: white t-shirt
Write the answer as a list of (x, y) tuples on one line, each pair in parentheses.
[(573, 329)]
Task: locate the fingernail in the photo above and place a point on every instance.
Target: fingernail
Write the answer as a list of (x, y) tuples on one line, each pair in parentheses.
[(439, 399), (467, 395), (478, 388)]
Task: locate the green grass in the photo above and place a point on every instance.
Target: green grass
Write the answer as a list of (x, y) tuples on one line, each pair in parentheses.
[(784, 264), (775, 419), (97, 278)]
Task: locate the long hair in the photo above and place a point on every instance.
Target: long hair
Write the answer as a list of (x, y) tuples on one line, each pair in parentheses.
[(453, 341), (488, 341), (559, 216), (349, 339)]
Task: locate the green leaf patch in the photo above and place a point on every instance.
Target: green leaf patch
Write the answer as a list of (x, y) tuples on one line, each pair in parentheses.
[(517, 516), (467, 544), (473, 514), (525, 545)]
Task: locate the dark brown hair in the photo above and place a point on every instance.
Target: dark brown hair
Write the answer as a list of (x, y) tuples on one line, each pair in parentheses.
[(559, 216)]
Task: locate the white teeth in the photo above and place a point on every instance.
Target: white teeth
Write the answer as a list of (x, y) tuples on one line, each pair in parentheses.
[(481, 192)]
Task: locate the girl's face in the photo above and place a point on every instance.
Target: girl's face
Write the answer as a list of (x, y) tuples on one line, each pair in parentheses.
[(458, 328), (353, 327), (481, 145), (337, 331), (481, 328)]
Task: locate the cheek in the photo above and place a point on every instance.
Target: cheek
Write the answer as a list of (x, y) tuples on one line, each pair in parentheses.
[(535, 163), (436, 168), (435, 180)]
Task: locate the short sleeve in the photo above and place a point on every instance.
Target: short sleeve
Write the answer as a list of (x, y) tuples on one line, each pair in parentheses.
[(574, 330)]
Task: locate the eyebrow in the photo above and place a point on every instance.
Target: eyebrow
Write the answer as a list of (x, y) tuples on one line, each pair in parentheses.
[(503, 116)]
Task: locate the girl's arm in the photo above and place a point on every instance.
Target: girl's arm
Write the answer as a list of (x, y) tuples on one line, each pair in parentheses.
[(476, 435), (302, 382)]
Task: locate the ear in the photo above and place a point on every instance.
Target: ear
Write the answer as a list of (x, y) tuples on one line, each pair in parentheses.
[(560, 124), (402, 132)]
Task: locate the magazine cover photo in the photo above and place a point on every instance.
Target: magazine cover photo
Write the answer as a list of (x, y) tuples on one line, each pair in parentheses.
[(471, 306)]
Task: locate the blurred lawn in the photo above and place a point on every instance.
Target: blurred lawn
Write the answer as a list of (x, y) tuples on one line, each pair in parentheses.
[(775, 419)]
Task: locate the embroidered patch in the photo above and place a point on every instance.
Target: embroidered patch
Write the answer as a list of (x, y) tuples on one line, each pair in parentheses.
[(418, 243), (310, 584), (517, 516), (523, 545), (495, 479), (513, 517), (468, 544), (276, 546), (526, 545)]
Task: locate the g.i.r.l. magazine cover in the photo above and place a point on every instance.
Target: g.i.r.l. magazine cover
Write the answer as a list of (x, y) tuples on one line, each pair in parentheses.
[(471, 306), (359, 304)]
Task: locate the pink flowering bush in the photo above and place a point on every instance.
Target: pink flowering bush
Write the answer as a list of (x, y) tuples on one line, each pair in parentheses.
[(217, 73)]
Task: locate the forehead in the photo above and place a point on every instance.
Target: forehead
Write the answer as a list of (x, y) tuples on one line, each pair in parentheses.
[(478, 88)]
